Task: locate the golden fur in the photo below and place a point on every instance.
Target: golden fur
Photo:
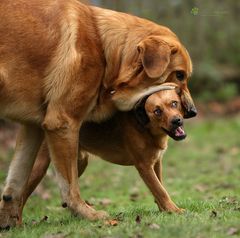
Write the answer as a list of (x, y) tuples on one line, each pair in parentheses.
[(63, 63)]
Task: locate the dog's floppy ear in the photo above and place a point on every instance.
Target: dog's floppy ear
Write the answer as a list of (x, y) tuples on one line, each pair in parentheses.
[(141, 116), (155, 56)]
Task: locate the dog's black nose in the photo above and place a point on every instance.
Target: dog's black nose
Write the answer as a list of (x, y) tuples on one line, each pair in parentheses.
[(177, 121), (191, 113)]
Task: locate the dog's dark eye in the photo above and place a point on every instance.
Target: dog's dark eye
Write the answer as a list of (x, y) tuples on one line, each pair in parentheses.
[(174, 104), (180, 75), (158, 112)]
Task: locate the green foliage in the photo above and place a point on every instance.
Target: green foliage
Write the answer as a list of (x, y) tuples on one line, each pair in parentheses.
[(226, 92), (209, 84)]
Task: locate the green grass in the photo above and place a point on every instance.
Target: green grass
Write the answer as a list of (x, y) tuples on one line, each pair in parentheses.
[(201, 174)]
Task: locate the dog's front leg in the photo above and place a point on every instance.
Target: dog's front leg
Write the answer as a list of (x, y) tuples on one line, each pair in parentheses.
[(162, 198), (159, 174), (62, 134), (158, 170), (28, 143)]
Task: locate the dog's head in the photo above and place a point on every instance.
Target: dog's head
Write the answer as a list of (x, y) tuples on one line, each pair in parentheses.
[(164, 113), (156, 60)]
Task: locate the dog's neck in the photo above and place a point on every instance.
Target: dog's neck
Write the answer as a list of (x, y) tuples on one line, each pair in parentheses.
[(113, 37), (119, 41)]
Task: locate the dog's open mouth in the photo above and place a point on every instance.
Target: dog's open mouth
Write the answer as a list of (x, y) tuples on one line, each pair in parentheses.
[(177, 133)]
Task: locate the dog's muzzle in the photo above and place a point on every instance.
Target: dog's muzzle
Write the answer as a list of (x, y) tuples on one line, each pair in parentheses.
[(191, 113), (188, 105)]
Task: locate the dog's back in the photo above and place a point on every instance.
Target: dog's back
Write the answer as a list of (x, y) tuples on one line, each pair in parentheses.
[(40, 46)]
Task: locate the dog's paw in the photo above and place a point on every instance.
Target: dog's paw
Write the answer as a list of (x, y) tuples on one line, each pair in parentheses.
[(170, 207), (85, 211), (180, 210), (98, 215), (175, 209), (9, 214)]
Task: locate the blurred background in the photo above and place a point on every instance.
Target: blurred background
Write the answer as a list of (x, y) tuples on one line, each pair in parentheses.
[(210, 32)]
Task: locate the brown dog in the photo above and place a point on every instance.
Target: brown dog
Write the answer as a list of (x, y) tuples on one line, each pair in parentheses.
[(63, 63), (138, 138)]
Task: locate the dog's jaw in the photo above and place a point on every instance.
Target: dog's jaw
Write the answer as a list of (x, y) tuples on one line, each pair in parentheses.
[(176, 134)]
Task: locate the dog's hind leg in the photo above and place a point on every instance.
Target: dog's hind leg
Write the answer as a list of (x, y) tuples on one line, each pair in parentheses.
[(28, 143)]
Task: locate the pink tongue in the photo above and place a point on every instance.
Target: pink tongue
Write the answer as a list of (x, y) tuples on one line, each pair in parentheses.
[(179, 132)]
